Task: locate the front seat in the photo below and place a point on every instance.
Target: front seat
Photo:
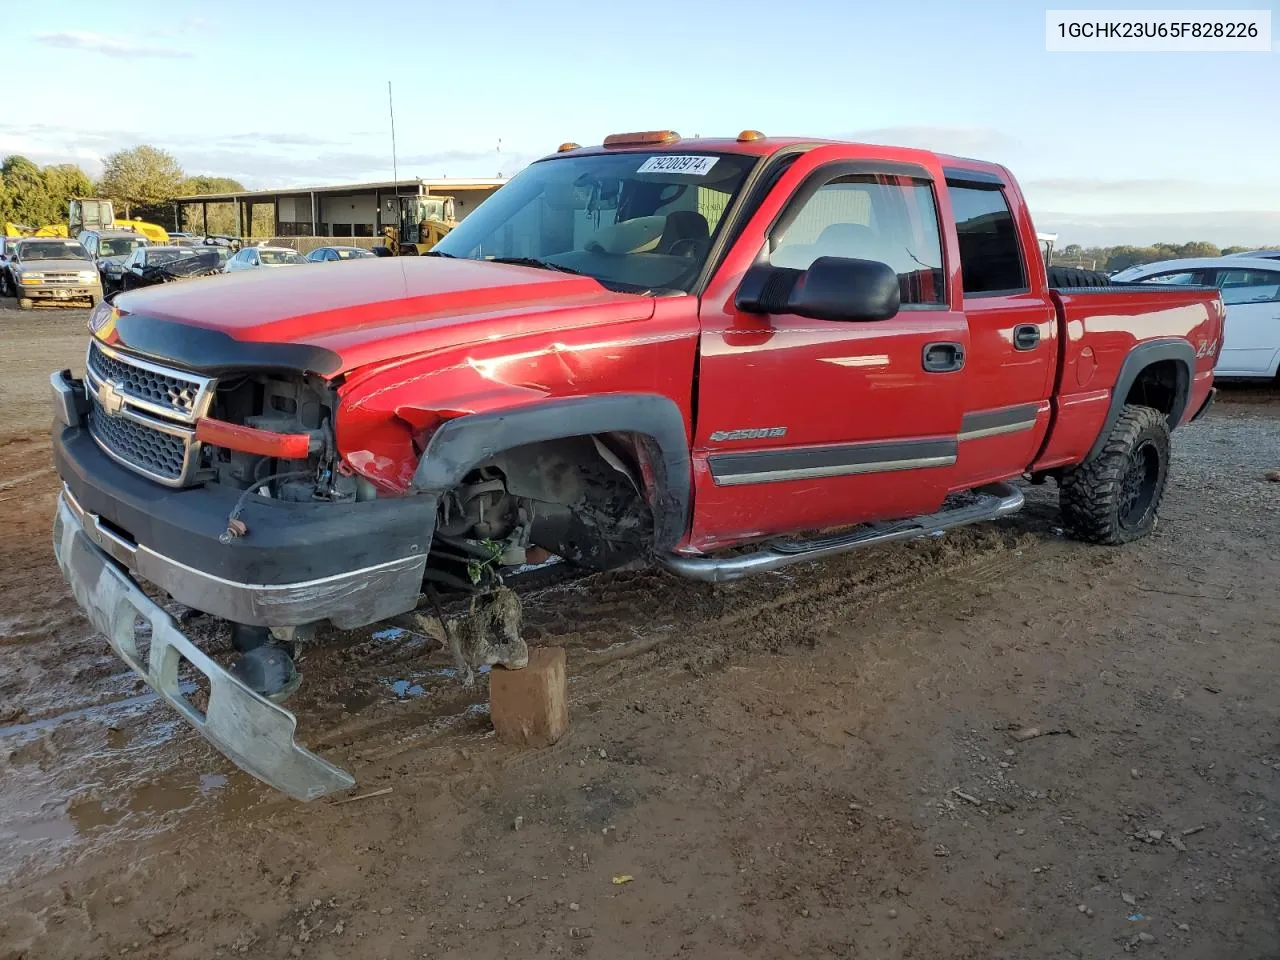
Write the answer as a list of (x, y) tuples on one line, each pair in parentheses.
[(852, 240), (686, 231)]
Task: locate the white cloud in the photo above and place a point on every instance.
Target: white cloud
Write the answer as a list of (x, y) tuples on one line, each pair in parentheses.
[(109, 46)]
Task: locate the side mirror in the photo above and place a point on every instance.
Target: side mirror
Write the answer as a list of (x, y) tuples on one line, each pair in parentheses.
[(832, 288)]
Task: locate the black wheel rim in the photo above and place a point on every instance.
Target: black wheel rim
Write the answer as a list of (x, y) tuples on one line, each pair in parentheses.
[(1138, 485)]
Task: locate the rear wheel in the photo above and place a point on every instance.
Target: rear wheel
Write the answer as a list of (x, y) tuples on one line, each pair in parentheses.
[(1113, 497)]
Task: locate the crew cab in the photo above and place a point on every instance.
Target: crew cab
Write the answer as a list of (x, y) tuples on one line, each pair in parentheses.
[(728, 355)]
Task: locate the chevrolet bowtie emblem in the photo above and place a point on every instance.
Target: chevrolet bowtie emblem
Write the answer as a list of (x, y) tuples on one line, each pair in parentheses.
[(110, 399)]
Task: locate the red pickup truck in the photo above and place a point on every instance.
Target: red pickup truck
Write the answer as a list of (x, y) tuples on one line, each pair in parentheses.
[(726, 354)]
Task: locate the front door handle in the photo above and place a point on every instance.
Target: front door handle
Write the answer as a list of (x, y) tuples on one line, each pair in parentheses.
[(1026, 336), (943, 357)]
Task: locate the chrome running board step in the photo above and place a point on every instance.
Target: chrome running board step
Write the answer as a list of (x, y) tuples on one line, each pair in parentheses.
[(984, 503)]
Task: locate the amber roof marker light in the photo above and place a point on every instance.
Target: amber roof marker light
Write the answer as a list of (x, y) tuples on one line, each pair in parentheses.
[(747, 135), (567, 146), (647, 136)]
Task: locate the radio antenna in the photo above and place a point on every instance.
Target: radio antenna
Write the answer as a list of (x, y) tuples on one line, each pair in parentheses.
[(395, 170)]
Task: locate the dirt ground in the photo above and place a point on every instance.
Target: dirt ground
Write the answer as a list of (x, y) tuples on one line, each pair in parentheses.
[(826, 762)]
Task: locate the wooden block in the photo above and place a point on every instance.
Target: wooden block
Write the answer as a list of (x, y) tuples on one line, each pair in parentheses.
[(530, 707)]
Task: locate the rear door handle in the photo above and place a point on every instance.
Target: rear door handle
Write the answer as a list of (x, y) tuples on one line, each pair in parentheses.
[(1026, 336), (943, 357)]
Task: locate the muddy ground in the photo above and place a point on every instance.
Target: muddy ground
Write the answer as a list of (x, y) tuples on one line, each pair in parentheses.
[(823, 762)]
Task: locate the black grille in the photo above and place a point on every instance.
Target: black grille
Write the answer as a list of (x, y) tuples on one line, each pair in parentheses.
[(151, 450), (174, 393)]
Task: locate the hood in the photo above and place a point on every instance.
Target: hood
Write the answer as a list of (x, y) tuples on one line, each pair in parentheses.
[(55, 266), (333, 321), (116, 261)]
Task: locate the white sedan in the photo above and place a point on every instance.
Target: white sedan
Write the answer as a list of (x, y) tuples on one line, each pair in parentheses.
[(252, 258), (1251, 293)]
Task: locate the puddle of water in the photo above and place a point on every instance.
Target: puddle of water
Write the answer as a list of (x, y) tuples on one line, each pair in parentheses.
[(94, 712), (418, 683), (406, 689), (209, 782)]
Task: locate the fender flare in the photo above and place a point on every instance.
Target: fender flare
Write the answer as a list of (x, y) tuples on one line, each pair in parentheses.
[(462, 443), (1138, 359)]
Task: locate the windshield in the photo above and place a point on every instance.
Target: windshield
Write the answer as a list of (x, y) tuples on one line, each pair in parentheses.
[(119, 246), (634, 221), (52, 250), (352, 253), (281, 256)]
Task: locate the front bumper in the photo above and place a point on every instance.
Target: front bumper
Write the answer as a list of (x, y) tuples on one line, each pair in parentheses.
[(351, 564), (256, 734), (42, 292)]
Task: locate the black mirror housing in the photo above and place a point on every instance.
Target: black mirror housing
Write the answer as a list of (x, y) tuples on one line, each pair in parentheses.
[(832, 288)]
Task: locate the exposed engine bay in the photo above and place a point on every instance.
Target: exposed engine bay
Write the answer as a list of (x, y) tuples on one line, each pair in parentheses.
[(577, 499)]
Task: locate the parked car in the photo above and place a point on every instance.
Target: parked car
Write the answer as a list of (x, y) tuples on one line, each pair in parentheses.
[(1258, 254), (110, 249), (696, 351), (253, 258), (322, 254), (148, 266), (57, 269), (1251, 292), (6, 252)]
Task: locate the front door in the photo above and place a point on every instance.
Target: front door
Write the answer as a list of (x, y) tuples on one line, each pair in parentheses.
[(807, 424)]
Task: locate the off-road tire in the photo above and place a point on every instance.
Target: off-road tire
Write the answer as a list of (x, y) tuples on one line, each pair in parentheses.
[(1113, 497), (1069, 277), (25, 304)]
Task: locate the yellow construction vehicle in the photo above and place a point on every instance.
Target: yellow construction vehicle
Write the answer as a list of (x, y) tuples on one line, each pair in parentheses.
[(93, 213), (423, 223), (90, 214)]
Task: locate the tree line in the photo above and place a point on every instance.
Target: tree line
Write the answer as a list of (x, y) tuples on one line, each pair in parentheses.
[(141, 181)]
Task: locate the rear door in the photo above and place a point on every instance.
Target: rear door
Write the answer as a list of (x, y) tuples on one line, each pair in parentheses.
[(1012, 330), (1251, 338), (802, 423)]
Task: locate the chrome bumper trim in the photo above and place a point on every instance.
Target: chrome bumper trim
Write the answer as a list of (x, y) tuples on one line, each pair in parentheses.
[(254, 733)]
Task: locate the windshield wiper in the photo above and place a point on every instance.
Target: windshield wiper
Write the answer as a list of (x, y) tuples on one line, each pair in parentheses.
[(439, 253), (535, 262)]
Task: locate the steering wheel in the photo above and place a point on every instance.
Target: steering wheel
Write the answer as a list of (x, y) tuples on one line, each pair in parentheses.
[(693, 247)]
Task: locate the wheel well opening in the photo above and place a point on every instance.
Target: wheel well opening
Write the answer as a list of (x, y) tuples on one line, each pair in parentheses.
[(1162, 386), (588, 499)]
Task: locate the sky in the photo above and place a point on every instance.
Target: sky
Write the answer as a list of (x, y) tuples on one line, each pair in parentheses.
[(1108, 147)]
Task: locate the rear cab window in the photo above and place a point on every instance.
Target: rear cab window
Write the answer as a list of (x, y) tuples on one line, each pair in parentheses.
[(991, 258)]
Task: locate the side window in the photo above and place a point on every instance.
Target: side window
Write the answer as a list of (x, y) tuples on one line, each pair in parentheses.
[(892, 219), (1249, 286), (990, 253)]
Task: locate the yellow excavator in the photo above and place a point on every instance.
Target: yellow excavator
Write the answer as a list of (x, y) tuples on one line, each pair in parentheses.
[(424, 221), (95, 213), (90, 213)]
